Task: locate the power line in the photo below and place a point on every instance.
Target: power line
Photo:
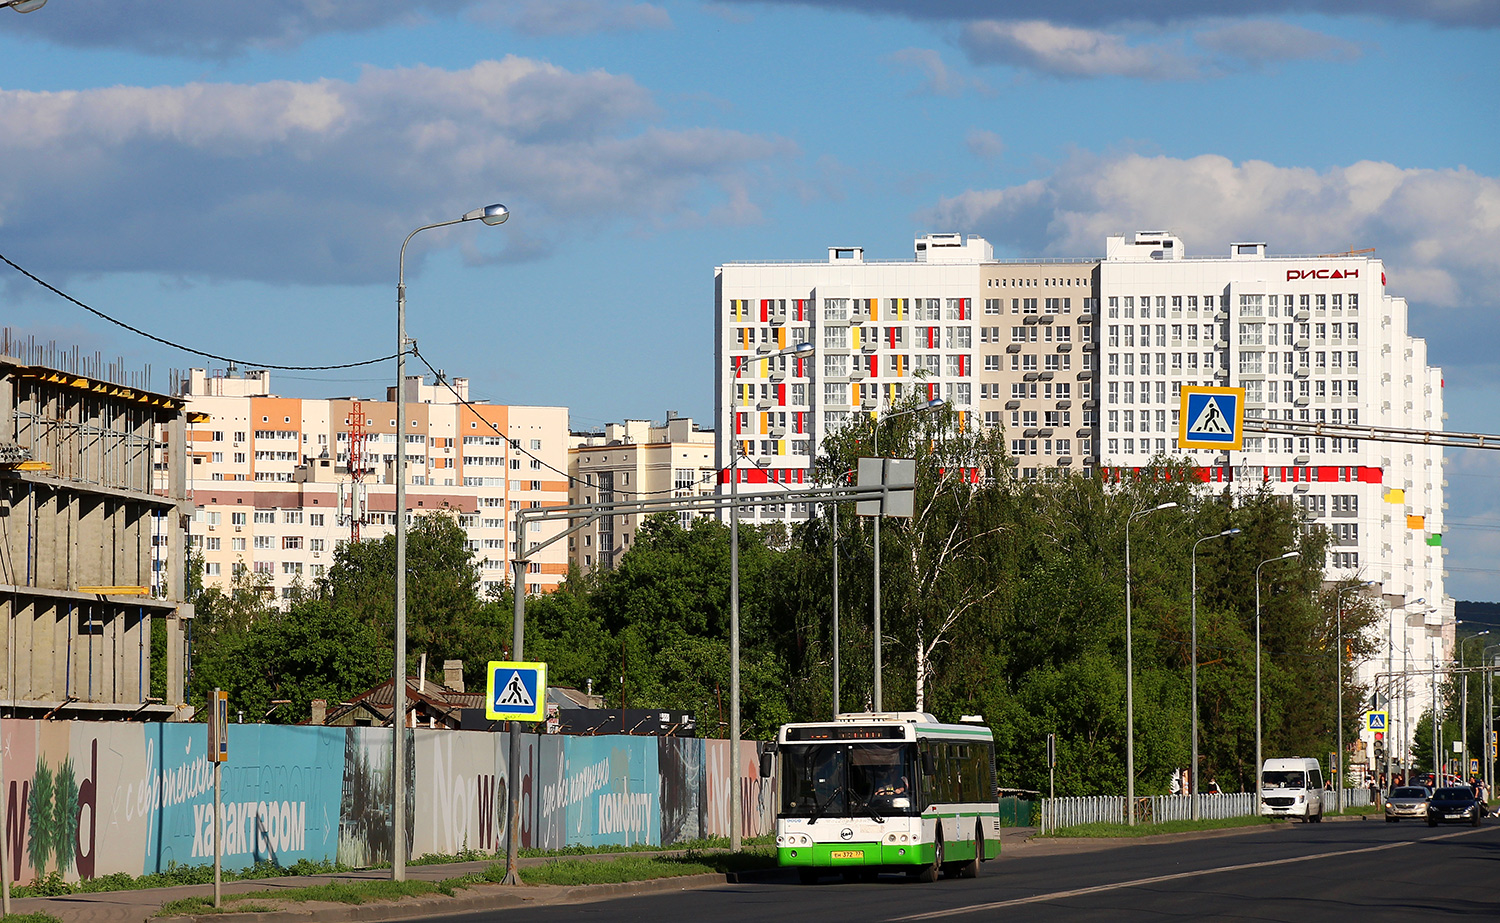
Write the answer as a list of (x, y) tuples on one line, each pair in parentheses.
[(516, 443), (187, 349)]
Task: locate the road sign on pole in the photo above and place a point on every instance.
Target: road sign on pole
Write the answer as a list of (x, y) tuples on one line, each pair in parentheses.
[(1211, 418), (515, 691), (1376, 721)]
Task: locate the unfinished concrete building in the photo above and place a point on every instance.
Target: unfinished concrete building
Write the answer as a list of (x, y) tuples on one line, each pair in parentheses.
[(90, 557)]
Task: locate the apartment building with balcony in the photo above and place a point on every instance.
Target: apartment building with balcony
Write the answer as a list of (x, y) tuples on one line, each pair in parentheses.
[(274, 492), (1004, 343), (635, 460), (1312, 339)]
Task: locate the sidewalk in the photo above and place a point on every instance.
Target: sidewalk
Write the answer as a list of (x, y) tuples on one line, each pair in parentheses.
[(143, 904)]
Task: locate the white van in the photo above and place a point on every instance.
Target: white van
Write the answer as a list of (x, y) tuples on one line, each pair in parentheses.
[(1292, 787)]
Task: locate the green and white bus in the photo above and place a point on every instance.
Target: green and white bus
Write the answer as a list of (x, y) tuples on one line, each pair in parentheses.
[(895, 792)]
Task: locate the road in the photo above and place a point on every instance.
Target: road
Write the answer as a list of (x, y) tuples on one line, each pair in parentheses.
[(1360, 870)]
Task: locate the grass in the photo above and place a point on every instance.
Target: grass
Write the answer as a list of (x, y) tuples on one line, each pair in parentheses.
[(713, 842), (53, 884), (1171, 826), (643, 868), (29, 918), (360, 891)]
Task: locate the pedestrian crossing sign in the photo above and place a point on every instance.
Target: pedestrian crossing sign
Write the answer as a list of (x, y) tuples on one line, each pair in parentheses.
[(1211, 418), (1375, 721), (515, 691)]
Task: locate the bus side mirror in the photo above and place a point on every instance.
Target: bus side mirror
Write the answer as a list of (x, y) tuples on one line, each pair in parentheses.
[(927, 765), (767, 764)]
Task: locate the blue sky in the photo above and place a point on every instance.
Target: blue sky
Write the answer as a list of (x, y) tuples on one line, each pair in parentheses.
[(239, 176)]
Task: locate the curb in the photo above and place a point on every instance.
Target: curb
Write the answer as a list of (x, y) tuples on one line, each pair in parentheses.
[(477, 898)]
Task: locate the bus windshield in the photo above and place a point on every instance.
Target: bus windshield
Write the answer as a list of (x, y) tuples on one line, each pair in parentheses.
[(848, 780)]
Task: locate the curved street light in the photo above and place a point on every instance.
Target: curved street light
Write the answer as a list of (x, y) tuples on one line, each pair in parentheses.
[(1338, 688), (1193, 769), (1390, 667), (800, 351), (936, 403), (1258, 760), (23, 6), (1130, 670), (489, 214)]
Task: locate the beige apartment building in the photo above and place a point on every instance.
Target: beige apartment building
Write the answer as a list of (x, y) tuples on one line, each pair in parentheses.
[(274, 492), (1041, 388), (635, 460)]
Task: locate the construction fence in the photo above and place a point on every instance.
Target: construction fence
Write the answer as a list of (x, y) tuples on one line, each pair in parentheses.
[(85, 799)]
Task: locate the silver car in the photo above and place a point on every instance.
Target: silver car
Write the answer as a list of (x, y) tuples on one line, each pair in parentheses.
[(1409, 801)]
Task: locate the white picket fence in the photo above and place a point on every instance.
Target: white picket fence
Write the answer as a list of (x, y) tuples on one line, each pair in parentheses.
[(1110, 809)]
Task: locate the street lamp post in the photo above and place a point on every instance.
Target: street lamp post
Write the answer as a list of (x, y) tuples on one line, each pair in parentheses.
[(1258, 761), (836, 691), (1489, 718), (933, 404), (1130, 671), (1338, 689), (1390, 667), (1463, 720), (492, 215), (1193, 770), (800, 351)]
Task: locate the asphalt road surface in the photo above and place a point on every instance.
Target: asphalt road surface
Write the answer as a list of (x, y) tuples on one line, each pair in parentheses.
[(1352, 871)]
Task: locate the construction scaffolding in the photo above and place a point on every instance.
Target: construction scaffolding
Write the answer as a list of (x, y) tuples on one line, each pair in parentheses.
[(90, 554)]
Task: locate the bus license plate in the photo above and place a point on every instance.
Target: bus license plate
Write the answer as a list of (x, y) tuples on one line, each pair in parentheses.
[(848, 854)]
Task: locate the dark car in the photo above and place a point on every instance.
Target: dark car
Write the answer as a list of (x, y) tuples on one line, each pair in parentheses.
[(1455, 805)]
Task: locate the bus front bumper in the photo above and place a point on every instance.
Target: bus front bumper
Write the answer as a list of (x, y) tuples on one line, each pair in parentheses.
[(841, 855)]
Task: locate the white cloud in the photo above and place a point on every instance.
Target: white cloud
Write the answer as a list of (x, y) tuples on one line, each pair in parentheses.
[(941, 79), (1066, 51), (1262, 41), (1436, 230), (311, 182), (984, 144)]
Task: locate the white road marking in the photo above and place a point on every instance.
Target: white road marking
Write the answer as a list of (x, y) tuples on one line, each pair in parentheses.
[(1176, 876)]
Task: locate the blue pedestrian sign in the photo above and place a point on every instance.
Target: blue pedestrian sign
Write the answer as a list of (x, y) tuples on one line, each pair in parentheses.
[(1211, 418), (515, 691), (1375, 720)]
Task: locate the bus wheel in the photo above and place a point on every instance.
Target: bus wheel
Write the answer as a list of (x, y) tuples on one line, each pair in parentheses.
[(970, 869), (807, 876), (930, 874)]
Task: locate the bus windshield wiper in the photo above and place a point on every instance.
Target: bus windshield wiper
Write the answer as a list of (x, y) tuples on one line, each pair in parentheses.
[(818, 808), (869, 809)]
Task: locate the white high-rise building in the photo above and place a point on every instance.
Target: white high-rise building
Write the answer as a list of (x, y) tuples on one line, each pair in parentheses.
[(1082, 361), (1005, 343), (1311, 339)]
